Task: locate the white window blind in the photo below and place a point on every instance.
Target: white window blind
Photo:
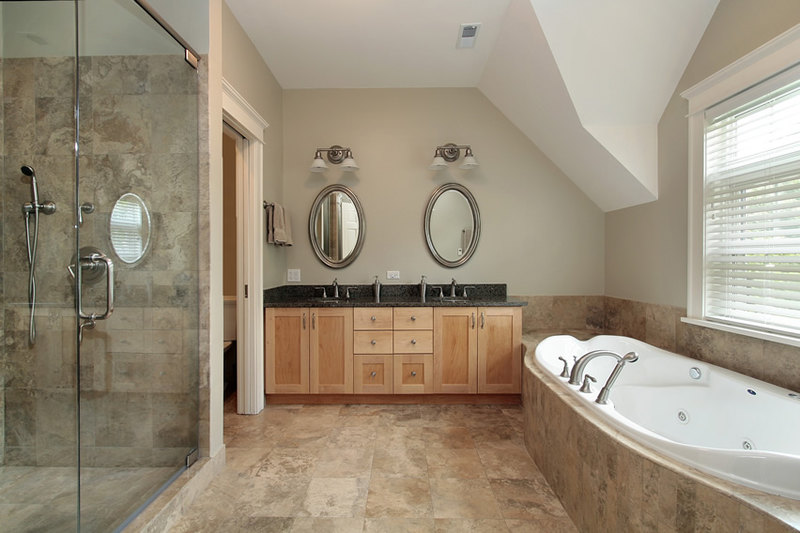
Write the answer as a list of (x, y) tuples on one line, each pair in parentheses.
[(752, 211)]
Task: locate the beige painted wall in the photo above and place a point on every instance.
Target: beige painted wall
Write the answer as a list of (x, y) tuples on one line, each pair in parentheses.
[(645, 253), (540, 233), (244, 68)]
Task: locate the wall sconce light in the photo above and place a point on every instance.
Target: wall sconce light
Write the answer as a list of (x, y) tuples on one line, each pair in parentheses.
[(449, 152), (336, 155)]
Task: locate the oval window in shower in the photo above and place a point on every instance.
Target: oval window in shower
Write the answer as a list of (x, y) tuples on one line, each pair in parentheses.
[(129, 228)]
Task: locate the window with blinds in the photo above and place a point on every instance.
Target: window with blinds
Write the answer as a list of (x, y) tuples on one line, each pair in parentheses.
[(751, 273)]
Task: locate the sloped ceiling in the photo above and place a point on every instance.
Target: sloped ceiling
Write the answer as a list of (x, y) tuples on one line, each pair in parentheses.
[(586, 81)]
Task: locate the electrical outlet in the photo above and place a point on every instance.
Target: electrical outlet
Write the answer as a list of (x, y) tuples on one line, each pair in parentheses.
[(293, 274), (392, 274)]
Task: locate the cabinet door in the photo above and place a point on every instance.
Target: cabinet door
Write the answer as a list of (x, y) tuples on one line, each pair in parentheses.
[(499, 349), (373, 374), (331, 339), (413, 374), (455, 350), (286, 354)]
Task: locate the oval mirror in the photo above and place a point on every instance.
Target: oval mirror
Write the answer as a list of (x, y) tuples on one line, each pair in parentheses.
[(452, 224), (336, 226), (130, 228)]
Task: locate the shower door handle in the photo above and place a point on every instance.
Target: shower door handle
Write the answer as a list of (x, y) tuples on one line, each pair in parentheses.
[(91, 262)]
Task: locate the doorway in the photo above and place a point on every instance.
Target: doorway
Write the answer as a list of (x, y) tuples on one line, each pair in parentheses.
[(243, 131)]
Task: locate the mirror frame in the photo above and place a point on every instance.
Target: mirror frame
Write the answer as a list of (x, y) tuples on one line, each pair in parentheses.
[(149, 237), (476, 219), (362, 226)]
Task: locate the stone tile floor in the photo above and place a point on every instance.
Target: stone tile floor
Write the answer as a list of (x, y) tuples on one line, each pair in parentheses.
[(44, 498), (377, 468)]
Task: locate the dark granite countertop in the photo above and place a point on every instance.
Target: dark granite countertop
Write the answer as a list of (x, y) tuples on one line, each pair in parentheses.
[(392, 295)]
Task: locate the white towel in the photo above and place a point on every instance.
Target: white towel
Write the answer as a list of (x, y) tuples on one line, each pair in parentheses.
[(282, 227), (270, 223)]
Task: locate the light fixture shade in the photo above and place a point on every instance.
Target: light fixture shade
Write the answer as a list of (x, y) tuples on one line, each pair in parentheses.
[(318, 165), (469, 162), (438, 163), (349, 164)]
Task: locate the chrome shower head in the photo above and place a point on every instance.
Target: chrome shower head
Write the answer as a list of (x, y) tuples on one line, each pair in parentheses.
[(28, 171)]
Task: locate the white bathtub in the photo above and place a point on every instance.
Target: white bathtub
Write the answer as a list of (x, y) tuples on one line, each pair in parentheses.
[(723, 423)]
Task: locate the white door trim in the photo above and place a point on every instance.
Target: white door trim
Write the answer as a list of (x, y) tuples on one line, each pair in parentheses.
[(250, 237)]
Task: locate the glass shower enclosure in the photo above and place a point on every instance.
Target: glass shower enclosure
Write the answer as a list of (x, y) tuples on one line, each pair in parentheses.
[(98, 263)]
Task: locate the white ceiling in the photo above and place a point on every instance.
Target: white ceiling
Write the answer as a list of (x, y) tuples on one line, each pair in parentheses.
[(313, 44), (586, 81)]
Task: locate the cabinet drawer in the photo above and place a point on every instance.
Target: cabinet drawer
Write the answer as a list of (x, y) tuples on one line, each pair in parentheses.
[(372, 342), (372, 318), (373, 374), (413, 341), (413, 374), (413, 317)]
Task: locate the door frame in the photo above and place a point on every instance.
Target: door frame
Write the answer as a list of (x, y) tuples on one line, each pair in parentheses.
[(240, 115)]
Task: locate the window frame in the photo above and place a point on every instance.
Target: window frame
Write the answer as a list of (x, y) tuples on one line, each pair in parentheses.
[(774, 57)]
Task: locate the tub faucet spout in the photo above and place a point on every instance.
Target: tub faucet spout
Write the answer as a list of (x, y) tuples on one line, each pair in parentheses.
[(576, 375), (630, 357)]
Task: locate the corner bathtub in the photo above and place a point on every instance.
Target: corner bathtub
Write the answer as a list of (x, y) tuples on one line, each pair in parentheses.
[(721, 422)]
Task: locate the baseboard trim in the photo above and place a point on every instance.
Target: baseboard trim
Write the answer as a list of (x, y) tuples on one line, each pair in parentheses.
[(404, 399)]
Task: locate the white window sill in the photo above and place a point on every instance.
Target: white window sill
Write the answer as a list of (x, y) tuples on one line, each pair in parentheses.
[(739, 330)]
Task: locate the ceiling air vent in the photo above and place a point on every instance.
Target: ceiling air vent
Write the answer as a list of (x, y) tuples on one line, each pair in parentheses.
[(467, 34)]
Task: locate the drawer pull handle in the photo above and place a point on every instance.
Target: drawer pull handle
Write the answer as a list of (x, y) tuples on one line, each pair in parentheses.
[(373, 318), (373, 374), (374, 342), (413, 372), (413, 341), (413, 318)]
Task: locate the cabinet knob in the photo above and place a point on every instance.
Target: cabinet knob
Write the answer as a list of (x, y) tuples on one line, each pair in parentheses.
[(373, 318), (413, 318), (373, 374), (413, 372), (413, 341), (374, 342)]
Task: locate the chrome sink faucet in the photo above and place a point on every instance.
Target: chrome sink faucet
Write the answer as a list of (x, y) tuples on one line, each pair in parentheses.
[(453, 288), (335, 288)]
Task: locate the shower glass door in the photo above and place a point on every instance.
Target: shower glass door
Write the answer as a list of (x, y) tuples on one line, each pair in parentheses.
[(98, 393), (38, 378)]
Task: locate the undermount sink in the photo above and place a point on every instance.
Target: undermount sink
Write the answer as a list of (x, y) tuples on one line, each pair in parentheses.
[(453, 299)]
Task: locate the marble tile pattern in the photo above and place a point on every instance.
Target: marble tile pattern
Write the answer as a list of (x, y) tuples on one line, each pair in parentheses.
[(376, 468), (607, 482), (139, 370), (660, 325), (43, 498)]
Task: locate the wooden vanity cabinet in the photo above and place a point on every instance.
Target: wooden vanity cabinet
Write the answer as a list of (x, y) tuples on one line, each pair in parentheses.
[(401, 350), (455, 350), (308, 350), (500, 350), (372, 345), (286, 350), (331, 347), (478, 350)]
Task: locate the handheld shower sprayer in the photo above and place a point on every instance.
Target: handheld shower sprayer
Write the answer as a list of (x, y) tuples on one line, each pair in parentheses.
[(31, 210), (28, 171)]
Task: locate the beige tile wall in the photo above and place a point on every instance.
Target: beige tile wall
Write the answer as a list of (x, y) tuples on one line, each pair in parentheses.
[(661, 326)]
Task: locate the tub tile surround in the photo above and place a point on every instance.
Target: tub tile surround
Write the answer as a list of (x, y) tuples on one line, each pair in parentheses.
[(612, 483), (661, 326)]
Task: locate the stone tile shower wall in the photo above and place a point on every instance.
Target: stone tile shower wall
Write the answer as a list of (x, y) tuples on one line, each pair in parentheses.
[(138, 371)]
